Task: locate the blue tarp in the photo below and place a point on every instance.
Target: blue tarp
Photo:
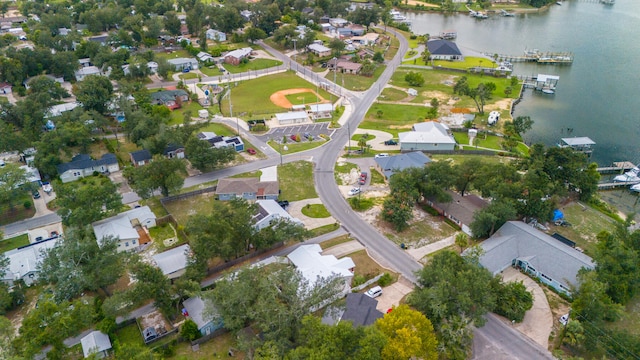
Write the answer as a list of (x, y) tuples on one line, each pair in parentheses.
[(557, 215)]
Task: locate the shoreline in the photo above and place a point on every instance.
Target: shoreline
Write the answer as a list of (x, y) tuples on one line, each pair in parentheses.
[(429, 9)]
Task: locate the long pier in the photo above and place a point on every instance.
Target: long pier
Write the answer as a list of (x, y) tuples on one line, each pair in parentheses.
[(618, 167), (545, 58), (615, 185)]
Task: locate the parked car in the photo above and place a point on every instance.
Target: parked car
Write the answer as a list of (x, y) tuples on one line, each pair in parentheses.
[(383, 155), (186, 70), (251, 151), (391, 142), (283, 203), (374, 292), (36, 194), (293, 137), (363, 178), (354, 191), (306, 135), (46, 187), (564, 319), (54, 234)]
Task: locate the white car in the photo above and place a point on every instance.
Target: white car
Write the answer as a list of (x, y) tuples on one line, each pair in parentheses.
[(564, 319), (47, 187), (354, 191), (374, 292), (383, 155)]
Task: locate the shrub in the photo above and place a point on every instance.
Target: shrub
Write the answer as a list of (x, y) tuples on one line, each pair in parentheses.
[(358, 280), (27, 204), (513, 301), (190, 330), (385, 280)]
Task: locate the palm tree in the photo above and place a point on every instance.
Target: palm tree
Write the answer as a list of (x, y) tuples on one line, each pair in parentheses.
[(362, 142)]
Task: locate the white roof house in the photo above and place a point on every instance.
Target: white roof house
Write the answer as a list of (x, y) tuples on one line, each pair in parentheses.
[(180, 64), (238, 54), (57, 110), (83, 72), (319, 49), (173, 263), (537, 253), (270, 210), (314, 266), (292, 117), (427, 136), (23, 262), (216, 35), (97, 343), (126, 227)]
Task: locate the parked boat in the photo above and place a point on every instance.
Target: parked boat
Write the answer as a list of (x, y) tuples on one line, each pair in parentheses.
[(449, 34), (635, 188), (558, 2), (397, 16), (504, 12), (629, 176)]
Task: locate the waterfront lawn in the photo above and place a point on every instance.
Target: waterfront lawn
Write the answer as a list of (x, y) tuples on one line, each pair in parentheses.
[(586, 223), (394, 118), (392, 94), (459, 159), (296, 181), (252, 96), (13, 243), (483, 141), (255, 64)]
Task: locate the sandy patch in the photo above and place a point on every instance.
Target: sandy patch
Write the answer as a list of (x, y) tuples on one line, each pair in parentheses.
[(409, 126), (280, 97), (503, 104), (414, 2), (442, 97)]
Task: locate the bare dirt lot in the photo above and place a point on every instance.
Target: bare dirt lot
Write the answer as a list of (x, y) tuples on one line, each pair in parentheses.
[(280, 97)]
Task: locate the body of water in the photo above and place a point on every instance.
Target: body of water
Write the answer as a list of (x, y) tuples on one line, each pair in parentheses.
[(596, 95)]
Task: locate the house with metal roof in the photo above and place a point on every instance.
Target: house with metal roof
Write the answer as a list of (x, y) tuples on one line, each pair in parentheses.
[(460, 209), (538, 254), (173, 262), (215, 35), (83, 72), (180, 64), (314, 266), (96, 344), (194, 309), (444, 50), (247, 188), (23, 262), (427, 136), (581, 144), (83, 165), (270, 211), (292, 117), (319, 50), (140, 157), (390, 164), (129, 228)]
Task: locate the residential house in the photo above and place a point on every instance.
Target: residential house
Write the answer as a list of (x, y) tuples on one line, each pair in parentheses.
[(27, 82), (581, 144), (173, 262), (5, 88), (368, 39), (57, 110), (218, 141), (174, 151), (173, 99), (83, 72), (247, 188), (356, 29), (140, 157), (64, 31), (96, 344), (216, 35), (269, 211), (444, 50), (33, 175), (194, 310), (321, 111), (292, 117), (246, 14), (100, 39), (338, 22), (319, 50), (314, 267), (23, 262), (83, 165), (204, 57), (234, 57), (427, 136), (361, 310), (343, 32), (391, 164), (326, 27), (538, 254), (129, 228), (460, 209), (344, 66), (153, 66), (180, 64)]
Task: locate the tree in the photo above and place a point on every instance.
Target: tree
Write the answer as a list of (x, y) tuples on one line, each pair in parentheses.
[(409, 335), (337, 46), (486, 221), (462, 241), (11, 178), (172, 23), (398, 212), (94, 93), (513, 301), (617, 265), (285, 35), (426, 56), (162, 174), (480, 94), (79, 264), (522, 124), (362, 142), (414, 78), (378, 57), (90, 199), (254, 33), (364, 16), (204, 157), (591, 304), (189, 330)]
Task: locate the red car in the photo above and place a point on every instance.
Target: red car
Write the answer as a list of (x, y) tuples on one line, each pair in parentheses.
[(251, 151), (363, 178)]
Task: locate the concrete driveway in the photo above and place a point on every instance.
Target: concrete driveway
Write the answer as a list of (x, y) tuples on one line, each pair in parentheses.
[(392, 294), (378, 142), (343, 249), (295, 210), (538, 322)]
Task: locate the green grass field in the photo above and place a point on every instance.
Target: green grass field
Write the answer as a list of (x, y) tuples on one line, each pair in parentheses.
[(252, 96), (302, 98), (294, 147), (586, 223), (394, 119), (391, 94), (255, 64), (177, 116), (317, 211), (356, 82), (296, 181), (14, 243), (18, 211)]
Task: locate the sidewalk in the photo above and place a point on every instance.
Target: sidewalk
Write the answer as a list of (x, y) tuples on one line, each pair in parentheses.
[(423, 251)]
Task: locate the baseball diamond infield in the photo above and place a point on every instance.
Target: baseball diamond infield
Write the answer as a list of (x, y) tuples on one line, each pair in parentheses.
[(280, 97)]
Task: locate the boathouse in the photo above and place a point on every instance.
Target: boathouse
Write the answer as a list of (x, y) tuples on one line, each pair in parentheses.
[(581, 144)]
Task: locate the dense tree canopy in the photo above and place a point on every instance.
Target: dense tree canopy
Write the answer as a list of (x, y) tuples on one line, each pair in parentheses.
[(87, 200), (162, 174), (409, 335)]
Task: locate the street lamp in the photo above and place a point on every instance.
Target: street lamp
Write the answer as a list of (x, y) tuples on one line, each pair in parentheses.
[(295, 51)]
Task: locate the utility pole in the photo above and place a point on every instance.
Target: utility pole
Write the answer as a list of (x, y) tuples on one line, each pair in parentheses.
[(295, 51)]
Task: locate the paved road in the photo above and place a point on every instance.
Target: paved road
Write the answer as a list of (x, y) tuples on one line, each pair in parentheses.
[(24, 225), (498, 341)]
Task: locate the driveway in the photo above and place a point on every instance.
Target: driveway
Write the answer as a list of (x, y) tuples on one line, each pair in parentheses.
[(538, 322), (343, 249), (378, 142), (392, 294), (41, 204)]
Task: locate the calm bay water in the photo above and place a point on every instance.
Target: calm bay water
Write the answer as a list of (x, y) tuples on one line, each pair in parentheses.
[(597, 95)]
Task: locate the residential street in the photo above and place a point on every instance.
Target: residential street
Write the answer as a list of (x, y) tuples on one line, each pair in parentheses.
[(24, 225)]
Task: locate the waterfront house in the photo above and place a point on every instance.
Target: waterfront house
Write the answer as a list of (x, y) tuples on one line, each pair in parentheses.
[(444, 50), (130, 228), (83, 165), (388, 165), (234, 57), (247, 188), (536, 253), (427, 136)]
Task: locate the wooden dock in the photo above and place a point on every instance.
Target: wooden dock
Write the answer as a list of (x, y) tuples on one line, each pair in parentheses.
[(618, 167), (544, 58), (615, 185)]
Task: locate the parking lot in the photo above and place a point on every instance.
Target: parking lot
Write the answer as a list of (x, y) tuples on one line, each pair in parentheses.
[(314, 129)]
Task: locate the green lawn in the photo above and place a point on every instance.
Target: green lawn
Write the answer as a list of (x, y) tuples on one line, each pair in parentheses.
[(296, 181), (302, 98), (174, 54), (212, 71), (183, 209), (255, 64), (391, 94), (394, 118), (356, 82), (13, 243), (219, 129), (177, 116), (586, 224), (187, 76), (251, 174), (215, 348), (294, 147), (316, 211), (18, 212), (376, 177), (129, 334), (343, 168), (252, 96), (335, 241), (484, 141), (357, 137), (468, 62), (426, 231), (324, 229)]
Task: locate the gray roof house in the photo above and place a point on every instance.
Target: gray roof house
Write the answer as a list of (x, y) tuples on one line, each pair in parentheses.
[(180, 64), (173, 262), (270, 210), (83, 165), (444, 50), (171, 98), (97, 343), (389, 165), (427, 136), (194, 308), (140, 157), (540, 255), (361, 310), (247, 188), (128, 227), (216, 35), (460, 210)]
